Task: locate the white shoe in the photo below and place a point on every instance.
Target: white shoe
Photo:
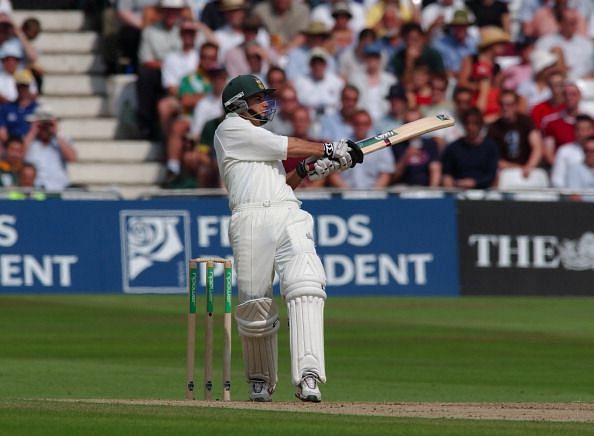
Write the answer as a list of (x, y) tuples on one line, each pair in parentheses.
[(308, 389), (260, 391)]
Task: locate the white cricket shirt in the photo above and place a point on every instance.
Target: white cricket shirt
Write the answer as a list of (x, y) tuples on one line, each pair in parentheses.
[(249, 159)]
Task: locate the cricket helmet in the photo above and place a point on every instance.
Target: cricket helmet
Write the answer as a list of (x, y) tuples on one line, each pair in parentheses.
[(239, 89)]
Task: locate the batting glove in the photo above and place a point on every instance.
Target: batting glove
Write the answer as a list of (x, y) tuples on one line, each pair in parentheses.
[(316, 169)]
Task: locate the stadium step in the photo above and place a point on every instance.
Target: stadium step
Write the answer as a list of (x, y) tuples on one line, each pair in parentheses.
[(89, 128), (67, 42), (53, 21), (109, 174), (118, 151), (76, 107), (59, 63), (72, 85)]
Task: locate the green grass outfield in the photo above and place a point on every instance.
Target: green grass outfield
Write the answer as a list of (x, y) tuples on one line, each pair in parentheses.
[(377, 350)]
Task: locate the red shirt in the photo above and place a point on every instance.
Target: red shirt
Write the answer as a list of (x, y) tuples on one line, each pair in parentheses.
[(560, 126), (543, 109)]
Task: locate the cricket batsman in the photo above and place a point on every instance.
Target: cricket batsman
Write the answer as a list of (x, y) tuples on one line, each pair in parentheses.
[(270, 232)]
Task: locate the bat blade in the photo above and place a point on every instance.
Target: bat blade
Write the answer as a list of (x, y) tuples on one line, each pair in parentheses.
[(405, 132)]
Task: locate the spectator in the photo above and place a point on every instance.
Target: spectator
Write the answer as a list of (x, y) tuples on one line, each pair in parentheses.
[(544, 21), (285, 20), (455, 44), (12, 161), (27, 177), (471, 161), (237, 60), (535, 91), (282, 123), (156, 41), (351, 60), (379, 166), (232, 33), (581, 175), (6, 7), (578, 51), (10, 61), (417, 160), (210, 106), (339, 124), (212, 16), (407, 10), (192, 89), (326, 13), (48, 151), (462, 98), (316, 36), (12, 38), (13, 115), (398, 104), (416, 52), (320, 89), (419, 89), (516, 74), (440, 104), (276, 78), (436, 16), (341, 35), (374, 83), (519, 141), (491, 13), (571, 153), (559, 127), (130, 14), (388, 33), (556, 101), (31, 29)]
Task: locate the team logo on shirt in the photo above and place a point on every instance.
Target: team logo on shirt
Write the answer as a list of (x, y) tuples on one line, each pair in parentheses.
[(155, 250)]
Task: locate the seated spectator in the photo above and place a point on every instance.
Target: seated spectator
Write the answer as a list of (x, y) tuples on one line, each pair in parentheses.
[(388, 33), (12, 161), (379, 166), (437, 15), (316, 36), (13, 115), (374, 83), (419, 89), (232, 33), (397, 107), (455, 43), (282, 123), (237, 59), (491, 13), (519, 141), (212, 16), (156, 41), (339, 124), (545, 22), (200, 160), (320, 89), (581, 175), (571, 153), (13, 39), (276, 78), (31, 29), (130, 14), (558, 128), (471, 161), (462, 98), (351, 60), (535, 91), (341, 34), (555, 102), (210, 106), (439, 104), (27, 177), (326, 13), (8, 88), (516, 74), (285, 21), (407, 9), (416, 52), (578, 51), (48, 151), (417, 160)]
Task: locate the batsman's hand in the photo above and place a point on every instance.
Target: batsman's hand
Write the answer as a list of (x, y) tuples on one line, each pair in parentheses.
[(355, 152), (316, 169)]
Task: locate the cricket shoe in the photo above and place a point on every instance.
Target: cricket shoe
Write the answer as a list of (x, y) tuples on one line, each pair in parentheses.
[(260, 391), (308, 389)]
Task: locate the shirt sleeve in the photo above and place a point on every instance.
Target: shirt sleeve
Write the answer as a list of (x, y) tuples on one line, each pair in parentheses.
[(250, 143)]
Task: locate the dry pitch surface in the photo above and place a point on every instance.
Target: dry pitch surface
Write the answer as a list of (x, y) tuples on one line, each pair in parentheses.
[(559, 412)]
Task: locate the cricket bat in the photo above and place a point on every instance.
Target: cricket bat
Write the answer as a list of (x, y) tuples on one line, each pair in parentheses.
[(405, 132)]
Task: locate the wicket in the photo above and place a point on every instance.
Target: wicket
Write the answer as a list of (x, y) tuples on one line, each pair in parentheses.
[(208, 327)]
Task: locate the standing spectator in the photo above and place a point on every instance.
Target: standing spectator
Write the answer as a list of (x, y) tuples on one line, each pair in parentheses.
[(555, 103), (571, 153), (374, 83), (416, 52), (559, 127), (282, 123), (578, 51), (48, 151), (520, 143), (398, 104), (340, 123), (491, 13), (156, 41), (535, 91), (130, 14), (320, 89), (455, 43), (379, 166), (13, 115), (471, 161), (581, 175), (285, 21), (417, 160), (316, 36), (232, 33), (12, 161)]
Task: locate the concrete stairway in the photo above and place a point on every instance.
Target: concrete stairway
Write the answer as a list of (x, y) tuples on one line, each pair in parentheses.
[(77, 91)]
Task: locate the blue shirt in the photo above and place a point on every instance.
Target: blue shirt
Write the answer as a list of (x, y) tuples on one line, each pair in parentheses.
[(463, 160), (14, 117), (453, 52), (333, 127)]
